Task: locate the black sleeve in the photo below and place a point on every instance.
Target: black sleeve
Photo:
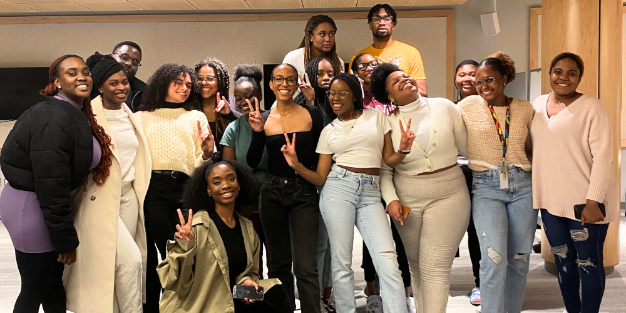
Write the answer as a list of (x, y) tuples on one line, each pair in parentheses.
[(50, 154), (317, 126), (257, 145)]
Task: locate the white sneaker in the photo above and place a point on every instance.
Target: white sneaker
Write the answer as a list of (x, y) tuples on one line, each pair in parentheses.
[(410, 305), (374, 304)]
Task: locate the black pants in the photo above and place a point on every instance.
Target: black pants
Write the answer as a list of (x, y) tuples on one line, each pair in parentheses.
[(368, 266), (42, 283), (275, 301), (289, 213), (472, 238), (163, 198)]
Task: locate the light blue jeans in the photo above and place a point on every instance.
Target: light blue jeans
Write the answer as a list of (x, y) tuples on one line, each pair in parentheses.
[(505, 224), (347, 199)]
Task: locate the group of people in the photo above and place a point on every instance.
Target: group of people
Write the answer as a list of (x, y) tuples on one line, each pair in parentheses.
[(109, 173)]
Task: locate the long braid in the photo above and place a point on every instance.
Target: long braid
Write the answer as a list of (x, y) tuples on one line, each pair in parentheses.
[(223, 86), (101, 171), (321, 101), (313, 22)]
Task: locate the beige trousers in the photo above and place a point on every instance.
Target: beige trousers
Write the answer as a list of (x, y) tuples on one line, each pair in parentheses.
[(440, 212)]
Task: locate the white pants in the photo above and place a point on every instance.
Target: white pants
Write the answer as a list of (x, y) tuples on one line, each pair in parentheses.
[(128, 270)]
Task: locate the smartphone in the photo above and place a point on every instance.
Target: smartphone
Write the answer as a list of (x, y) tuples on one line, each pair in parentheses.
[(578, 209), (249, 292), (405, 211)]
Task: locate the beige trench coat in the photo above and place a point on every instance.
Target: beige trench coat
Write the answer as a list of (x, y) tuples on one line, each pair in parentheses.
[(206, 290), (89, 282)]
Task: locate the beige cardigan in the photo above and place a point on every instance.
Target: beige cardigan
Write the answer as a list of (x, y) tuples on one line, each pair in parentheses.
[(89, 283), (205, 289)]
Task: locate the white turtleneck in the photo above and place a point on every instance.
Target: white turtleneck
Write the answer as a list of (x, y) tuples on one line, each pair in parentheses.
[(440, 137)]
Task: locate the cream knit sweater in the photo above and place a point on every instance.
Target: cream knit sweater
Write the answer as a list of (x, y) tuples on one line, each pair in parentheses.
[(173, 138), (573, 158), (485, 147)]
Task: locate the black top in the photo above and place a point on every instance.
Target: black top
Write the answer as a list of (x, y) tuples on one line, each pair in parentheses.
[(133, 100), (234, 244), (49, 151), (306, 143)]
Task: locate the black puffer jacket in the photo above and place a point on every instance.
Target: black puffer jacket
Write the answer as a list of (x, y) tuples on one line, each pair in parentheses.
[(49, 151)]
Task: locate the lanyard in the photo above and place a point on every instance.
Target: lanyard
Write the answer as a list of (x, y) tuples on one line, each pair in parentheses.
[(504, 138)]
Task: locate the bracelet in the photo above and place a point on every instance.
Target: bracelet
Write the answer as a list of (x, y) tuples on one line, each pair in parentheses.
[(404, 151)]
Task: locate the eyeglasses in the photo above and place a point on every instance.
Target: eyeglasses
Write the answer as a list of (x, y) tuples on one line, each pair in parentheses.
[(333, 94), (278, 80), (363, 66), (208, 79), (126, 58), (488, 81), (378, 18)]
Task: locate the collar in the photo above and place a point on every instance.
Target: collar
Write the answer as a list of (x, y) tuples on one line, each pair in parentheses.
[(62, 97), (414, 106)]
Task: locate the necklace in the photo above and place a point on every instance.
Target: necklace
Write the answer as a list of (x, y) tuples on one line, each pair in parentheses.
[(358, 114)]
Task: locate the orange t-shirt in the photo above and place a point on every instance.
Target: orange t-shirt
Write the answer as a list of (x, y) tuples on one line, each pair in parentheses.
[(405, 56)]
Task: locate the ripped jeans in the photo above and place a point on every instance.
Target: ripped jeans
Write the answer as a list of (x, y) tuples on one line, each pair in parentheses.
[(505, 224), (349, 199), (574, 244)]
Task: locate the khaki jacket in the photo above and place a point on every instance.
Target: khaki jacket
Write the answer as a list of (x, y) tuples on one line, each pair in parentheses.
[(195, 273), (89, 283)]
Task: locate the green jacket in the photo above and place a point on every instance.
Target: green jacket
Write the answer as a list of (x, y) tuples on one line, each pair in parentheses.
[(195, 273)]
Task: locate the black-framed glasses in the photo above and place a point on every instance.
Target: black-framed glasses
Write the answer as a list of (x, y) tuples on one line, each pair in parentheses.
[(378, 18), (278, 80), (126, 58), (488, 81), (363, 66), (208, 79), (333, 94)]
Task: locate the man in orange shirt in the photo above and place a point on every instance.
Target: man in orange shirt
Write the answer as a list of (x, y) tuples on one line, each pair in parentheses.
[(382, 21)]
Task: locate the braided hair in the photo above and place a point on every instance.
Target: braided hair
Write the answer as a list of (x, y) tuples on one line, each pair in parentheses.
[(223, 87), (321, 101), (355, 86), (101, 171), (306, 43)]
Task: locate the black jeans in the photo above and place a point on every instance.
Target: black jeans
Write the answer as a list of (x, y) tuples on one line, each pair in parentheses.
[(274, 301), (472, 238), (42, 283), (289, 213), (369, 270), (163, 198)]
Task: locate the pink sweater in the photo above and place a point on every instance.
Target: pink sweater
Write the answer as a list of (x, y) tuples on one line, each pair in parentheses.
[(573, 157)]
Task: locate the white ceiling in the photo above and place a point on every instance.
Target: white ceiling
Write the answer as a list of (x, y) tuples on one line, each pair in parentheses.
[(25, 6)]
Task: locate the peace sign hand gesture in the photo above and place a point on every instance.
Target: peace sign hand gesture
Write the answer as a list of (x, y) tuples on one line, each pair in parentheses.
[(222, 106), (406, 136), (289, 152), (207, 141), (184, 230), (307, 90), (255, 119)]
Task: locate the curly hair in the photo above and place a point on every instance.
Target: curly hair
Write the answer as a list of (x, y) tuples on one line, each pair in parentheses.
[(390, 11), (568, 55), (251, 73), (321, 101), (306, 43), (379, 79), (101, 171), (502, 63), (223, 87), (355, 86), (195, 194), (158, 84)]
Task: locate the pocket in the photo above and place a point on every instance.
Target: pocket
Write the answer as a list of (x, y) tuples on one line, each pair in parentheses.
[(376, 183)]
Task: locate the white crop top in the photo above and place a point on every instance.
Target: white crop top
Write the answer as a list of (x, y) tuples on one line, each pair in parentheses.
[(360, 146)]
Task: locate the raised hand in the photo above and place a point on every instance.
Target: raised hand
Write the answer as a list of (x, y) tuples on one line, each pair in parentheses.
[(255, 119), (222, 106), (406, 136), (289, 152), (207, 142), (307, 90), (184, 230)]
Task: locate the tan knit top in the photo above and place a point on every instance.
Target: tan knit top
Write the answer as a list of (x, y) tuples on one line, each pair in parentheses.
[(484, 145), (173, 139)]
